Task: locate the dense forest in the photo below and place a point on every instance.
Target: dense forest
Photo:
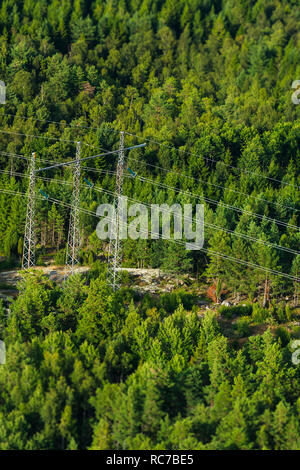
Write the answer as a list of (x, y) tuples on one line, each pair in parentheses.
[(90, 368), (208, 86)]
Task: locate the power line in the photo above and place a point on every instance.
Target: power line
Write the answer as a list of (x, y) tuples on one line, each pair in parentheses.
[(88, 158), (212, 184), (182, 175), (213, 201), (208, 251), (37, 136), (221, 186), (208, 200), (15, 155), (213, 160), (214, 227), (182, 191)]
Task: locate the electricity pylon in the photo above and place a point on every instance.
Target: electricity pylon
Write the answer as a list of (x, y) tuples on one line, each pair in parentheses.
[(73, 244), (29, 237), (115, 249)]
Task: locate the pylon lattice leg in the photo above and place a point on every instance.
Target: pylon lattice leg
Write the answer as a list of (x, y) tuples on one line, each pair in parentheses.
[(29, 236), (115, 248), (73, 244)]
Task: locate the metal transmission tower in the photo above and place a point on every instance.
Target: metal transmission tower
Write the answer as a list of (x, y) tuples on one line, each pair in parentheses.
[(115, 249), (74, 223), (74, 228), (29, 237)]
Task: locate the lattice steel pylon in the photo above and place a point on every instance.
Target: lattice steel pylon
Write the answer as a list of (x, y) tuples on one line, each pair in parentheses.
[(28, 259), (115, 248), (73, 245)]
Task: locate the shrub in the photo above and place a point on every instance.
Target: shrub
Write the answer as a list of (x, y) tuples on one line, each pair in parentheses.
[(283, 335), (60, 257), (242, 327), (9, 263), (280, 312), (288, 313), (171, 301), (235, 310), (295, 332), (260, 314)]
